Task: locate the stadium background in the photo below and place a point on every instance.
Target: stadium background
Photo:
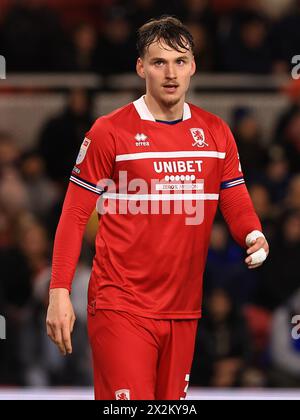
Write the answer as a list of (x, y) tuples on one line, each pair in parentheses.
[(69, 62)]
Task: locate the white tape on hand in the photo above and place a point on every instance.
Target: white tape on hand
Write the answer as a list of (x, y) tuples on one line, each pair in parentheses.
[(251, 237), (258, 257)]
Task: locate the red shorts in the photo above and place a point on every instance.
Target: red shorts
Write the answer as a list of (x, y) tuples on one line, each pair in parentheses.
[(140, 358)]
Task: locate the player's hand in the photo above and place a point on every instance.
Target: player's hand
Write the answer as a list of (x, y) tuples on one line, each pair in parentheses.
[(60, 319), (258, 250)]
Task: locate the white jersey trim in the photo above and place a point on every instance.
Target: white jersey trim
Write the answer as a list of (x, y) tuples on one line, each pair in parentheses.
[(145, 114), (160, 197), (86, 185), (167, 155)]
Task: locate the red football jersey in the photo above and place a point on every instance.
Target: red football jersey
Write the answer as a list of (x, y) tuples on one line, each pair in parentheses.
[(159, 186)]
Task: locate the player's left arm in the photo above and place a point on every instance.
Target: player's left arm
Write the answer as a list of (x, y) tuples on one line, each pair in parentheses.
[(244, 225), (237, 208)]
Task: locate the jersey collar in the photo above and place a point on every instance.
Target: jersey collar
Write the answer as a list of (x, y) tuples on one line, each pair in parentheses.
[(145, 114)]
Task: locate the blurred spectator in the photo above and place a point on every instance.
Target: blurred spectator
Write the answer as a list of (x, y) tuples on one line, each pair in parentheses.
[(203, 47), (248, 137), (292, 91), (252, 378), (16, 286), (247, 48), (33, 245), (279, 276), (231, 6), (259, 322), (225, 268), (277, 175), (33, 242), (9, 153), (286, 39), (225, 6), (75, 11), (116, 50), (32, 37), (61, 136), (201, 21), (262, 203), (28, 357), (43, 363), (293, 197), (285, 349), (289, 137), (140, 11), (13, 194), (222, 345), (32, 169), (275, 8), (5, 228), (81, 56), (199, 11)]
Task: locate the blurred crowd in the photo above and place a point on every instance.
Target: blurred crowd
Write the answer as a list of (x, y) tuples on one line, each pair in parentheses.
[(32, 187), (244, 339), (244, 36)]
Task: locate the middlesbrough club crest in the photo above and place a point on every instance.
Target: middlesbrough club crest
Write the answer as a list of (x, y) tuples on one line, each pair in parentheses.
[(122, 394), (199, 137)]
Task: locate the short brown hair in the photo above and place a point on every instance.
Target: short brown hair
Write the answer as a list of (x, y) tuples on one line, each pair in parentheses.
[(166, 28)]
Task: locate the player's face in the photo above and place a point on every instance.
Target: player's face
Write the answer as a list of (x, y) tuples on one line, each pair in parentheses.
[(167, 72)]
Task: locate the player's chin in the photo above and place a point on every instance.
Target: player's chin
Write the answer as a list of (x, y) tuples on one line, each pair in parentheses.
[(171, 99)]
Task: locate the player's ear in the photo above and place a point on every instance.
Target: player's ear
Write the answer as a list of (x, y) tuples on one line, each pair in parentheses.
[(140, 68), (193, 67)]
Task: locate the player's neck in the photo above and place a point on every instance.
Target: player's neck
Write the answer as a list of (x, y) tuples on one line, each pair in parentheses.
[(163, 112)]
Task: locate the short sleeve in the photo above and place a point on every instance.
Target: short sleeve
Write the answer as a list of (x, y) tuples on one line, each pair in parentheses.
[(232, 171), (95, 161)]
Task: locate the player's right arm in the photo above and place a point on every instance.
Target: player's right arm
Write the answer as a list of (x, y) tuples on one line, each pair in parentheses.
[(94, 164), (77, 208)]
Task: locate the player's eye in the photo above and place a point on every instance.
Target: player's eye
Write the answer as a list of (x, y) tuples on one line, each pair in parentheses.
[(180, 61), (159, 63)]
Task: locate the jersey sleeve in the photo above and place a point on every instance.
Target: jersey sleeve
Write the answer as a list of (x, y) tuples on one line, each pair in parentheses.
[(235, 203), (232, 172), (96, 157), (77, 209), (239, 213), (94, 165)]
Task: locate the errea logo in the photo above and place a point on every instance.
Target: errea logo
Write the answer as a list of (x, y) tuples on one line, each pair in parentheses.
[(141, 140)]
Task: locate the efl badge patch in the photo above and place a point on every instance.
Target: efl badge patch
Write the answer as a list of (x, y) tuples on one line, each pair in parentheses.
[(82, 152), (199, 137), (122, 394)]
